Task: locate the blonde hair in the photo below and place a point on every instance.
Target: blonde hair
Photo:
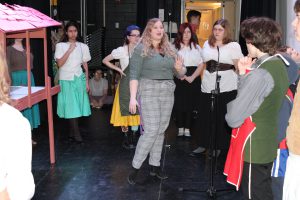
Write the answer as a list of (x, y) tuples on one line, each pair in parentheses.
[(164, 46), (4, 79)]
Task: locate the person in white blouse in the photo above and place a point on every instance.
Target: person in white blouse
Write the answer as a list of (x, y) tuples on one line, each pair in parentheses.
[(222, 54), (188, 89), (73, 101), (16, 179), (120, 114)]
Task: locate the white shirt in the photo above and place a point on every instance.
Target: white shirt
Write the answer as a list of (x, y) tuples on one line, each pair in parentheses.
[(191, 56), (15, 154), (121, 53), (97, 87), (72, 67), (229, 78)]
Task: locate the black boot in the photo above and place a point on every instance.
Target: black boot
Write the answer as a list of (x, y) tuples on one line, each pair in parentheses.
[(157, 172), (126, 142), (131, 179), (131, 137)]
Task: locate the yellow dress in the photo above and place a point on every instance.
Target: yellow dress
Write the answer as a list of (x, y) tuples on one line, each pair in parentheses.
[(117, 119)]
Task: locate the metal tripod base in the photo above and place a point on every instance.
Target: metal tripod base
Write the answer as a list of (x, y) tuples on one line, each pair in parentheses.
[(211, 191)]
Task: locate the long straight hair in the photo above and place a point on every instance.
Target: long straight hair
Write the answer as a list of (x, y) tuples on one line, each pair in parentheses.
[(69, 24), (227, 35), (179, 37)]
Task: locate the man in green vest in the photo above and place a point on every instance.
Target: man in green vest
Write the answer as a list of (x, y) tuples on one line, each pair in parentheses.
[(260, 94)]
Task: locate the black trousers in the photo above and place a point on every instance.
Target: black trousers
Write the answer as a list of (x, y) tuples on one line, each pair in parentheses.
[(183, 119), (260, 181)]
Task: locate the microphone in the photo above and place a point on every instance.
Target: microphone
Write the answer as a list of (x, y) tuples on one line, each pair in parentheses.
[(218, 55), (218, 63)]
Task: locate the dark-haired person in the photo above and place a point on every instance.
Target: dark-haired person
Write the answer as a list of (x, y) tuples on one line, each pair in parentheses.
[(219, 47), (17, 64), (73, 100), (120, 115), (16, 179), (291, 189), (187, 92), (260, 95), (194, 19)]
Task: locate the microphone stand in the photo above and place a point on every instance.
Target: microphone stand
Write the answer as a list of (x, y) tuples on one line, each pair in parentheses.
[(212, 191)]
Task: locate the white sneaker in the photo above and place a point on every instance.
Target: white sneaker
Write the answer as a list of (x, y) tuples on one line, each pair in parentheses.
[(187, 133), (180, 132), (199, 150)]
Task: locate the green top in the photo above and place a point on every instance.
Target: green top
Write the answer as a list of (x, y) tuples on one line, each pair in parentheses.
[(155, 67), (263, 140)]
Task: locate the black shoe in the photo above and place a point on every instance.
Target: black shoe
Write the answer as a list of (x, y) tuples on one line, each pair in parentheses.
[(125, 143), (131, 137), (157, 172), (131, 179)]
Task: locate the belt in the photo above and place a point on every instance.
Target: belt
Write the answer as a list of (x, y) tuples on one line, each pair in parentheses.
[(213, 66)]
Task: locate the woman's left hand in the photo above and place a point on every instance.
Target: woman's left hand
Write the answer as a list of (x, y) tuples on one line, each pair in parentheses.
[(189, 79), (87, 87)]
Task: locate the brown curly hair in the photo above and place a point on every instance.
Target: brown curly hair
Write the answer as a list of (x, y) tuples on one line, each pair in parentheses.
[(262, 32)]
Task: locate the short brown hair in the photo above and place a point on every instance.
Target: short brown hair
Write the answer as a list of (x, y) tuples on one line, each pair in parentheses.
[(227, 34), (262, 32), (297, 6)]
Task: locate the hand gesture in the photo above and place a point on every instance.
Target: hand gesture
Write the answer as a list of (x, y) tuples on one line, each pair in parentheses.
[(72, 46), (245, 63), (132, 105), (178, 63), (121, 72)]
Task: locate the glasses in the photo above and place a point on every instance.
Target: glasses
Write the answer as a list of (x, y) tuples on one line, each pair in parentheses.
[(133, 35), (218, 29)]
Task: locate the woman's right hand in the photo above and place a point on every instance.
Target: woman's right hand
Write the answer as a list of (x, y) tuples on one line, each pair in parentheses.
[(245, 63), (72, 46), (121, 72), (132, 105)]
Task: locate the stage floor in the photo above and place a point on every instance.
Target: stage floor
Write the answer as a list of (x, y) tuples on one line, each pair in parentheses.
[(98, 169)]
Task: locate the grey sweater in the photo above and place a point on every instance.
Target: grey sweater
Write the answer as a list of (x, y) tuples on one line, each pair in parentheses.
[(155, 67)]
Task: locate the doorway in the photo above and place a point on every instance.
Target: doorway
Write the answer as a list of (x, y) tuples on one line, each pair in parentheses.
[(212, 10)]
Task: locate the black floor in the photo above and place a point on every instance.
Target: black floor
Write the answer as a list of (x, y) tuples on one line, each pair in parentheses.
[(99, 168)]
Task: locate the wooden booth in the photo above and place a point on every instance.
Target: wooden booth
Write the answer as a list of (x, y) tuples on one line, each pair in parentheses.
[(24, 22)]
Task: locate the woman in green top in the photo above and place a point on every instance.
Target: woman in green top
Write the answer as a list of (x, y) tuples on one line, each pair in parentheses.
[(152, 67)]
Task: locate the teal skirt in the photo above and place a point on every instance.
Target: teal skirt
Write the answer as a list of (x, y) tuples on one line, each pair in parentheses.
[(73, 100), (19, 78)]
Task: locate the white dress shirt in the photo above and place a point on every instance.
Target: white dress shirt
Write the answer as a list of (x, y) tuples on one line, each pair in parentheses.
[(121, 53), (191, 56), (72, 67), (228, 53)]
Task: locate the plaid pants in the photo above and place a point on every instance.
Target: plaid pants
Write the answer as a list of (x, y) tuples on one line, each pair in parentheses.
[(156, 99)]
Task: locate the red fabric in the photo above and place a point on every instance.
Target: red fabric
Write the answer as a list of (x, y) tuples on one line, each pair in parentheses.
[(289, 93), (235, 158), (282, 144)]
